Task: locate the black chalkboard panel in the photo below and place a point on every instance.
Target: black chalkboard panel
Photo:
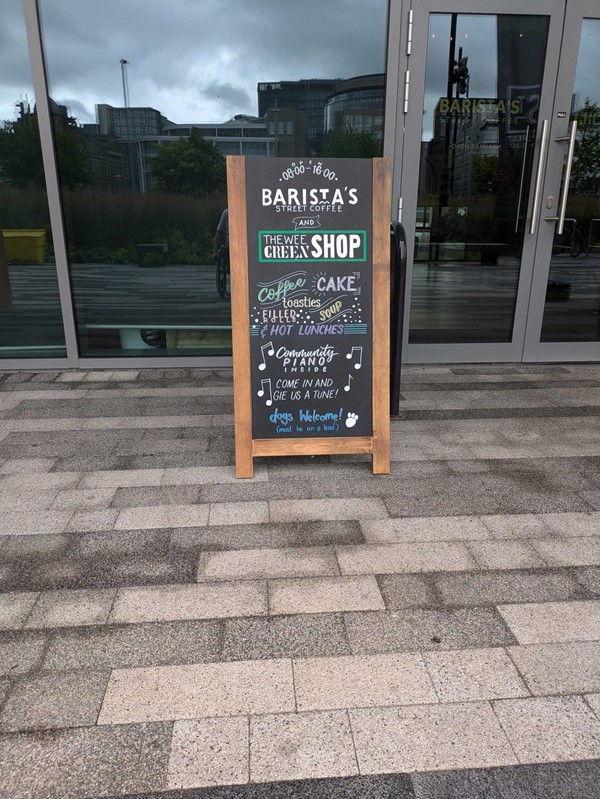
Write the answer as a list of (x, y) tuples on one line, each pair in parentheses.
[(309, 227)]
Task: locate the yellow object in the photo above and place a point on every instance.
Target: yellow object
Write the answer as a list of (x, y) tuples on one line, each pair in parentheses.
[(24, 246)]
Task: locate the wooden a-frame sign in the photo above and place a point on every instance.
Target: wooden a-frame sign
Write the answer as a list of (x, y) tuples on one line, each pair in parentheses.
[(310, 302)]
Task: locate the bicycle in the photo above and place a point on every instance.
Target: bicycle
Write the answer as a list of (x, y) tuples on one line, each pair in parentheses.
[(571, 239), (222, 270)]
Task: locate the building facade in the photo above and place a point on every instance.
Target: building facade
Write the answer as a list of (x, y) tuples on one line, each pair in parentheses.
[(491, 121)]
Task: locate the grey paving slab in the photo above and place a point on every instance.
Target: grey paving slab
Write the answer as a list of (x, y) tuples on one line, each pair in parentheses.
[(176, 602), (503, 587), (197, 691), (528, 525), (405, 557), (106, 572), (122, 478), (16, 522), (474, 674), (510, 554), (209, 752), (121, 542), (301, 746), (270, 536), (573, 524), (571, 552), (427, 738), (88, 521), (589, 579), (424, 629), (71, 608), (40, 702), (179, 460), (550, 728), (87, 762), (161, 516), (362, 681), (574, 780), (155, 495), (27, 465), (13, 500), (14, 608), (564, 668), (309, 510), (479, 494), (33, 546), (84, 499), (224, 513), (593, 701), (40, 481), (134, 645), (210, 475), (592, 498), (317, 635), (21, 653), (553, 622), (402, 591), (436, 528), (324, 595), (87, 463), (255, 564)]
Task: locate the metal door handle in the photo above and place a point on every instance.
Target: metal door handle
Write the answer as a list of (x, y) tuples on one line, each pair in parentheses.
[(537, 195), (565, 189)]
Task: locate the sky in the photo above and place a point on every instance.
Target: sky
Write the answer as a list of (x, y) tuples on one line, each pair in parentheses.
[(201, 60), (193, 60)]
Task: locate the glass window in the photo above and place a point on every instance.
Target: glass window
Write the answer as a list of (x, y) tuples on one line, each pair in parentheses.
[(30, 314), (143, 205), (572, 310), (482, 87)]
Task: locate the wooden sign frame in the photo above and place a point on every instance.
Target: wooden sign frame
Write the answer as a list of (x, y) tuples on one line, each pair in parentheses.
[(378, 444)]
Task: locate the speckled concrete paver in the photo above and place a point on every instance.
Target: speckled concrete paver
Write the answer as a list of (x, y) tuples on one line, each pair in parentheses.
[(316, 632)]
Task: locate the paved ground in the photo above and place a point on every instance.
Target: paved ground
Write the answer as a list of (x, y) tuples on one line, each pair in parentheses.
[(317, 631)]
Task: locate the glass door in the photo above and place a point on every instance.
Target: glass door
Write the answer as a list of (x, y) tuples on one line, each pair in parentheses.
[(564, 318), (482, 84)]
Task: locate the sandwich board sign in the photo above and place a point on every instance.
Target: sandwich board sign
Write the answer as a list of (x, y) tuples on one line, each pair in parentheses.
[(309, 250)]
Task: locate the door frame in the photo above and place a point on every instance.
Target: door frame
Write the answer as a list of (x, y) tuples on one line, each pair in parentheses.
[(534, 349), (405, 182)]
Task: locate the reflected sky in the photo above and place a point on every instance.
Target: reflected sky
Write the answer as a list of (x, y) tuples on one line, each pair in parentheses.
[(194, 60)]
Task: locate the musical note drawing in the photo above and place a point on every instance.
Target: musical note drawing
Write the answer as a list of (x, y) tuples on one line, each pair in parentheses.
[(262, 391), (347, 386), (359, 350), (269, 350)]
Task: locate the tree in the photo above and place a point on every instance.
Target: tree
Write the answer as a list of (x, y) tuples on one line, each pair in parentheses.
[(585, 172), (485, 174), (21, 162), (351, 144), (191, 166)]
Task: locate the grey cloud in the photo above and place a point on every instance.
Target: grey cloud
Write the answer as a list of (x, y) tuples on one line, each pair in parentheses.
[(200, 60)]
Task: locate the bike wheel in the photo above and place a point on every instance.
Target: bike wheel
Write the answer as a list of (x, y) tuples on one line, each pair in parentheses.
[(221, 275), (576, 245)]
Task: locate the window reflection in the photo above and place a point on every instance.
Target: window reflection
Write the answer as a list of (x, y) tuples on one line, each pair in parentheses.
[(30, 315), (482, 87), (572, 311), (156, 107)]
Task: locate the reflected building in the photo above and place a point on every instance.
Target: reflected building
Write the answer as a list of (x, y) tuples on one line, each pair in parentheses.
[(307, 96), (357, 105)]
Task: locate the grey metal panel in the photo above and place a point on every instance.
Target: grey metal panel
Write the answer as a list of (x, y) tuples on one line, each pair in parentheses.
[(193, 361), (567, 351), (36, 54), (459, 353), (396, 60), (33, 364)]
